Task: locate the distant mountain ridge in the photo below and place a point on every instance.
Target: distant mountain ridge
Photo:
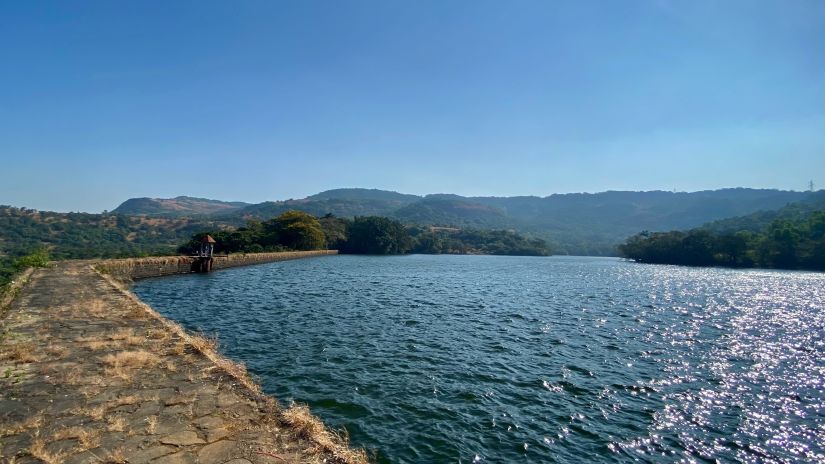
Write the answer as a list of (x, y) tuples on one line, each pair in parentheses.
[(575, 223), (178, 206)]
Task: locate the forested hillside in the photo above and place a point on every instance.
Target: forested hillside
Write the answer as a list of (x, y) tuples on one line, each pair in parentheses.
[(85, 235), (792, 237), (581, 223)]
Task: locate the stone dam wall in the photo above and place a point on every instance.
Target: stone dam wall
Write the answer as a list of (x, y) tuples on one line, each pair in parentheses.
[(141, 268), (90, 374)]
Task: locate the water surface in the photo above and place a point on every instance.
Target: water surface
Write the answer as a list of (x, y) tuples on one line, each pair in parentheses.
[(522, 359)]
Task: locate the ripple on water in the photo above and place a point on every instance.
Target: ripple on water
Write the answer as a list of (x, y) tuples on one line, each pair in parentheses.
[(495, 359)]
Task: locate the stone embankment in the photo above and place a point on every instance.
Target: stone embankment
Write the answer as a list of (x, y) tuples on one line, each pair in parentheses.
[(89, 374), (141, 268)]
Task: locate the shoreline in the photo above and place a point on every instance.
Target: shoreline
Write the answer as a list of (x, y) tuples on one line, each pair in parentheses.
[(90, 373)]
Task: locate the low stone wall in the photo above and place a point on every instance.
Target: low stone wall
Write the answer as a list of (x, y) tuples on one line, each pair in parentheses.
[(141, 268)]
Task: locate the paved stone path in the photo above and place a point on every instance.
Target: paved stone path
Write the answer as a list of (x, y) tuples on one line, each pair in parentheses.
[(89, 374)]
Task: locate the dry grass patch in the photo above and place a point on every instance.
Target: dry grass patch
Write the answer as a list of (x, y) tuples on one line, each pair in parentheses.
[(34, 422), (238, 370), (95, 413), (115, 456), (125, 400), (38, 450), (151, 425), (73, 376), (20, 352), (158, 334), (179, 348), (97, 345), (203, 342), (123, 364), (117, 423), (311, 428), (97, 308), (87, 438), (127, 336), (57, 351)]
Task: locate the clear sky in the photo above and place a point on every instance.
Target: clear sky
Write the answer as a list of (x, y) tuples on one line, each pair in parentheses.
[(267, 100)]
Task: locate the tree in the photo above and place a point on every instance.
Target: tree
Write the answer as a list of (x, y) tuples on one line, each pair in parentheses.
[(377, 236), (296, 230)]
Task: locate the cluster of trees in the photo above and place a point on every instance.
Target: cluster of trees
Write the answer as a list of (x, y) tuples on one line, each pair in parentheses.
[(435, 240), (295, 230), (292, 230), (783, 244)]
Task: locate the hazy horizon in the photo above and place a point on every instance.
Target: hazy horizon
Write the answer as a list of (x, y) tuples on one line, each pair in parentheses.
[(231, 200), (262, 101)]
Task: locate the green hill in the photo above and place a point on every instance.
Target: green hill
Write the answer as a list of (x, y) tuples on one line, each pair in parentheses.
[(576, 223)]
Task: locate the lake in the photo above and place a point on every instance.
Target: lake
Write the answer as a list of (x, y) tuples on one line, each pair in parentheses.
[(528, 359)]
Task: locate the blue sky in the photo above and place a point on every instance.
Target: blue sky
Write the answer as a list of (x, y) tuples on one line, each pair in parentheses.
[(268, 100)]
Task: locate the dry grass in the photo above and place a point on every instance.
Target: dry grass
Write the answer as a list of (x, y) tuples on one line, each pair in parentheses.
[(238, 370), (123, 364), (117, 423), (158, 334), (73, 376), (87, 438), (203, 342), (125, 400), (96, 308), (57, 351), (34, 422), (179, 348), (96, 345), (95, 413), (311, 428), (151, 425), (20, 352), (116, 456), (127, 336), (38, 450)]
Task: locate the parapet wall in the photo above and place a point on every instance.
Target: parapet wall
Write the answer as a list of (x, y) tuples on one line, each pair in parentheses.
[(141, 268)]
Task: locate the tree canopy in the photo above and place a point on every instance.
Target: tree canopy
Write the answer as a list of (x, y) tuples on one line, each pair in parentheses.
[(783, 244)]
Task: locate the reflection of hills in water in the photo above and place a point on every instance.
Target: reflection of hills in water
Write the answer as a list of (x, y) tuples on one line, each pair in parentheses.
[(441, 358), (576, 223)]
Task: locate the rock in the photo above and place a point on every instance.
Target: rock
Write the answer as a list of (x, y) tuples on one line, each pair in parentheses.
[(184, 438), (144, 456), (217, 453), (210, 422), (216, 434), (181, 457)]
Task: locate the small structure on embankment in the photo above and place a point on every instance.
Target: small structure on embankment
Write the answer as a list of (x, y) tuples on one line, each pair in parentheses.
[(203, 261), (91, 374)]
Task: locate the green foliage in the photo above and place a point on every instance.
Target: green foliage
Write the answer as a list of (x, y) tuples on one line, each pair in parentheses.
[(435, 240), (295, 230), (37, 258), (783, 244), (9, 267), (367, 235), (335, 231), (291, 230), (375, 235)]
